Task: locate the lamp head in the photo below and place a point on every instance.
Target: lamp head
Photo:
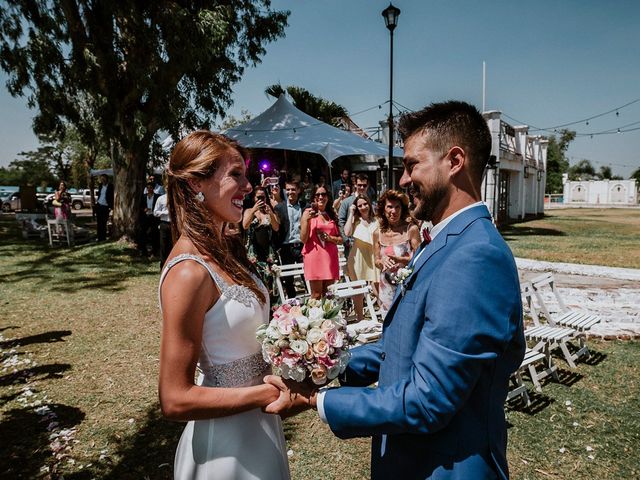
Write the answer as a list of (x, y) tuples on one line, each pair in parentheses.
[(391, 15)]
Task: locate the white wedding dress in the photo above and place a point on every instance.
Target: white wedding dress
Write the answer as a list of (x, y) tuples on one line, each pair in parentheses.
[(244, 446)]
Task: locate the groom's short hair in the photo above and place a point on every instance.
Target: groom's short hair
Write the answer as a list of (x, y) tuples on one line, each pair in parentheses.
[(448, 124)]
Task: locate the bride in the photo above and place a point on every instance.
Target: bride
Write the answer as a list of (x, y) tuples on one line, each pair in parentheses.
[(211, 304)]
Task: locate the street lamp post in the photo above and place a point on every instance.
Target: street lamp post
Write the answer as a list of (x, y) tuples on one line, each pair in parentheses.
[(391, 15)]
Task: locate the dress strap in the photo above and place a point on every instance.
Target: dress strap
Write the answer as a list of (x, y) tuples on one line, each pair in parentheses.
[(217, 279)]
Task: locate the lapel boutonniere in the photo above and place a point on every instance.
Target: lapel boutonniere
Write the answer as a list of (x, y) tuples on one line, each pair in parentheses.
[(401, 275)]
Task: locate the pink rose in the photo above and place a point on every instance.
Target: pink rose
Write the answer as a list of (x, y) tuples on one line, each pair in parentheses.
[(285, 324), (319, 375), (326, 361), (321, 348), (290, 358), (334, 338), (309, 356)]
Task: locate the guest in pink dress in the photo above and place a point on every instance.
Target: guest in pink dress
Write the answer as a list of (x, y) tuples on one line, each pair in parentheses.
[(394, 243), (321, 237), (62, 203)]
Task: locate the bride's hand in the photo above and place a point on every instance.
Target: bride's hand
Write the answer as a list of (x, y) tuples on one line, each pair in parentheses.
[(294, 397)]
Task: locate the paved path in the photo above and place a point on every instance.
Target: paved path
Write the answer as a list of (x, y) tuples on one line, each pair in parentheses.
[(612, 293)]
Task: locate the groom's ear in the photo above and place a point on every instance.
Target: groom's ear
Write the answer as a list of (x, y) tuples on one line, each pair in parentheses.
[(457, 160)]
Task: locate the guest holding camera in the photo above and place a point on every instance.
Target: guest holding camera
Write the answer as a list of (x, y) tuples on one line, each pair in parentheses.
[(343, 193), (321, 237), (261, 222)]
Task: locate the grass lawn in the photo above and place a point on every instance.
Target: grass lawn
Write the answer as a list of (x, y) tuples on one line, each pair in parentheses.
[(579, 235), (80, 332)]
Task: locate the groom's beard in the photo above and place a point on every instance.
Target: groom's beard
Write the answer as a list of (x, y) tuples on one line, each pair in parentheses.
[(427, 200)]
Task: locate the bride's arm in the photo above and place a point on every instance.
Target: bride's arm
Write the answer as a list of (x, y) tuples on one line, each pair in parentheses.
[(187, 294)]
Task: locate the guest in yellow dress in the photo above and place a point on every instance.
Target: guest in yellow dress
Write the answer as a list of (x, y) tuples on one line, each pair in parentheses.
[(360, 225)]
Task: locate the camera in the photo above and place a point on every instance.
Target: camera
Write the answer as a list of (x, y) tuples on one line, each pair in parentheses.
[(343, 188)]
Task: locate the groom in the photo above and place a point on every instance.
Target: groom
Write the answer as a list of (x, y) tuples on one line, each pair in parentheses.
[(453, 334)]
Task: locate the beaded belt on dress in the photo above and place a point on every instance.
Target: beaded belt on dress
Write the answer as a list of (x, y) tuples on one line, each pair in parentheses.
[(237, 372)]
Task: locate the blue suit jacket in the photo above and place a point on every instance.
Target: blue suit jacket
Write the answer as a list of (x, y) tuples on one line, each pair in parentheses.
[(450, 342)]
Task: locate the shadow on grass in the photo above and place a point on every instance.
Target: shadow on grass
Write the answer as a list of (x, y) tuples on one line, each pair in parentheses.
[(596, 358), (29, 450), (39, 372), (513, 232), (8, 327), (568, 377), (105, 266), (538, 402), (147, 453), (47, 337)]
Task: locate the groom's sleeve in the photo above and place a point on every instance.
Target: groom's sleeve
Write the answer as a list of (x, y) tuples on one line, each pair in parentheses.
[(364, 365), (471, 313), (362, 370)]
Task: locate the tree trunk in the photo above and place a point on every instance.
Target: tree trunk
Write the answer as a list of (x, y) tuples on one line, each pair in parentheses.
[(129, 179)]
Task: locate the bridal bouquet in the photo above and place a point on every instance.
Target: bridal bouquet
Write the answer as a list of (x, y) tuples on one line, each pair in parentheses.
[(306, 339)]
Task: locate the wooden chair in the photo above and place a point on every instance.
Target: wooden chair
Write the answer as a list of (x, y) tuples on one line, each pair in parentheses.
[(60, 232), (549, 338), (580, 321)]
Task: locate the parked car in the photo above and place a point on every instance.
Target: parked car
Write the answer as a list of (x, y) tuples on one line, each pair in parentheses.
[(11, 202)]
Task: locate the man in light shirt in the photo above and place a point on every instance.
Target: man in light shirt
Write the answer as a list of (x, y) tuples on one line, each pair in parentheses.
[(288, 236), (161, 212), (104, 204), (453, 335)]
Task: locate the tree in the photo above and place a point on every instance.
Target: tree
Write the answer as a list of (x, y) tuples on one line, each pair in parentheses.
[(31, 170), (583, 170), (324, 110), (636, 174), (557, 164), (605, 172), (131, 69), (230, 121)]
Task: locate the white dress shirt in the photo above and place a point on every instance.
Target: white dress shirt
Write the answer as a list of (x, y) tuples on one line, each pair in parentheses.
[(161, 210)]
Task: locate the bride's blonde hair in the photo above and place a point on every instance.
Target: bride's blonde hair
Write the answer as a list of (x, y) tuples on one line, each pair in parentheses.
[(196, 157)]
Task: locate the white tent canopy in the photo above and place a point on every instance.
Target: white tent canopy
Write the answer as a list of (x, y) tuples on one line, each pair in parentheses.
[(282, 126)]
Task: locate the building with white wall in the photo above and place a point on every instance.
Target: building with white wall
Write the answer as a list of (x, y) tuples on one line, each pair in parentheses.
[(514, 185), (601, 192)]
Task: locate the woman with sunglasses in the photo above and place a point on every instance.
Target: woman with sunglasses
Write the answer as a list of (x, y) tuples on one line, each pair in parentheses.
[(321, 237)]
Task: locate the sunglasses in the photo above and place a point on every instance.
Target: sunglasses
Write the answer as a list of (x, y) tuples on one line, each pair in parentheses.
[(321, 194), (261, 198)]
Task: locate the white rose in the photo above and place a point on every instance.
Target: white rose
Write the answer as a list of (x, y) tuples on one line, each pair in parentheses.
[(316, 313), (303, 322), (299, 346), (295, 373), (314, 335), (272, 332)]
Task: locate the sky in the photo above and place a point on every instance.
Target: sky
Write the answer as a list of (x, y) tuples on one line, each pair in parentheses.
[(548, 63)]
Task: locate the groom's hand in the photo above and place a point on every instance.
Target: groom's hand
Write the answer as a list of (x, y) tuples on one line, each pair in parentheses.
[(294, 397)]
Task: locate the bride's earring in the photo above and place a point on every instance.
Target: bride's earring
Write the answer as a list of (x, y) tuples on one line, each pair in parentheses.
[(200, 196)]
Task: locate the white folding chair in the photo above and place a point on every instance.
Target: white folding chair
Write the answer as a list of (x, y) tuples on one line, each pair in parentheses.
[(549, 338), (60, 232), (566, 317), (350, 289), (292, 270)]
